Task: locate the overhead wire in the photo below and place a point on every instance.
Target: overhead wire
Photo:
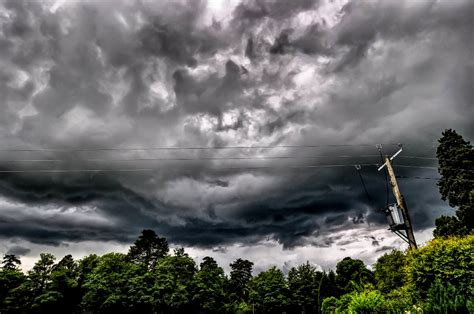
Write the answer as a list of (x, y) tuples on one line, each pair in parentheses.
[(155, 169), (178, 148), (186, 158), (358, 167), (432, 168), (417, 177)]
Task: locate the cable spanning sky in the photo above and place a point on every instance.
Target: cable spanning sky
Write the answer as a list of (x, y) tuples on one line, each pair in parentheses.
[(230, 127)]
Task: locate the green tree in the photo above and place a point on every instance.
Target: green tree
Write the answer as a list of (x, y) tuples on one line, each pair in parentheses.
[(352, 271), (10, 262), (269, 291), (148, 249), (209, 287), (107, 287), (388, 271), (174, 275), (11, 278), (303, 285), (327, 286), (456, 185), (63, 292), (40, 275), (240, 276), (85, 267)]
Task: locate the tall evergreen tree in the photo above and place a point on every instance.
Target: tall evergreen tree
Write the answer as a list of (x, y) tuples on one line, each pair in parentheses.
[(148, 249), (11, 278), (40, 275), (10, 262), (456, 185), (240, 275)]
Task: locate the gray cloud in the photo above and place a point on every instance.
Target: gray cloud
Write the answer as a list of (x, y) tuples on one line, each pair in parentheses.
[(146, 74), (18, 250)]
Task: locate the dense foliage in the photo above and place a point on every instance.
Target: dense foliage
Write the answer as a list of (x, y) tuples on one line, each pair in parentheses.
[(456, 185), (437, 278)]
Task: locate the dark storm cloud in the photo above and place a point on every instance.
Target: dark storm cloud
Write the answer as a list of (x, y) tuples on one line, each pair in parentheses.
[(178, 36), (144, 74), (18, 250), (254, 10)]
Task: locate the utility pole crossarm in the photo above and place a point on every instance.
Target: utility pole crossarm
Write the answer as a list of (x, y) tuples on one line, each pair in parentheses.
[(391, 158)]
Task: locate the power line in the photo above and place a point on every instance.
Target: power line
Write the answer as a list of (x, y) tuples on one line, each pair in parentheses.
[(433, 168), (155, 169), (186, 158), (179, 148), (358, 167), (232, 158), (416, 177), (419, 157), (428, 158)]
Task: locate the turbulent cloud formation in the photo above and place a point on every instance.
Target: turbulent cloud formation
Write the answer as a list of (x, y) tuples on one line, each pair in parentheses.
[(92, 75)]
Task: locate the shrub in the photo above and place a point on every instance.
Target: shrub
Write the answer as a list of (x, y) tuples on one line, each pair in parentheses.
[(329, 305), (446, 298), (343, 303), (367, 302), (399, 300), (448, 260)]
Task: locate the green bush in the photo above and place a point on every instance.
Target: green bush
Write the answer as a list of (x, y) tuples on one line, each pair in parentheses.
[(399, 300), (367, 302), (343, 303), (329, 305), (449, 260), (446, 298), (387, 273)]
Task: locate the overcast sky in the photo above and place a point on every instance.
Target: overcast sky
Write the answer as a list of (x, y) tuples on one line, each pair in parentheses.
[(143, 74)]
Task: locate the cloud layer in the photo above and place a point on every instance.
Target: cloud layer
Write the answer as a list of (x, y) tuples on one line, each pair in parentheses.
[(91, 74)]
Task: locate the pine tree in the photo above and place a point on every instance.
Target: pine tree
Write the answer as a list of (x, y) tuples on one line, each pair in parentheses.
[(456, 167)]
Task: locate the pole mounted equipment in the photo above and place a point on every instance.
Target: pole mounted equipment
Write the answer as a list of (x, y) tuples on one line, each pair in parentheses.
[(397, 214)]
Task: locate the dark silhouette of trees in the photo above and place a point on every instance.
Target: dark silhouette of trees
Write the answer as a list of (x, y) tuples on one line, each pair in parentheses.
[(456, 185), (436, 277), (240, 277), (148, 249), (10, 262)]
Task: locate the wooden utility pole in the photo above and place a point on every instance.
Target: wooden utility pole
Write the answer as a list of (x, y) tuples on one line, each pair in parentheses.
[(410, 237), (401, 203)]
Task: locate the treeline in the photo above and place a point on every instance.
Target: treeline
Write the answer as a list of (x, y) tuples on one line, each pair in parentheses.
[(438, 278)]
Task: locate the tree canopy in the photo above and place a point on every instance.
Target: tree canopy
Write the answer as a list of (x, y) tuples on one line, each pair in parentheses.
[(456, 185), (438, 278)]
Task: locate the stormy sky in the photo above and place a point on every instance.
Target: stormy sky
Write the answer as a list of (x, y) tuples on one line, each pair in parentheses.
[(232, 87)]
